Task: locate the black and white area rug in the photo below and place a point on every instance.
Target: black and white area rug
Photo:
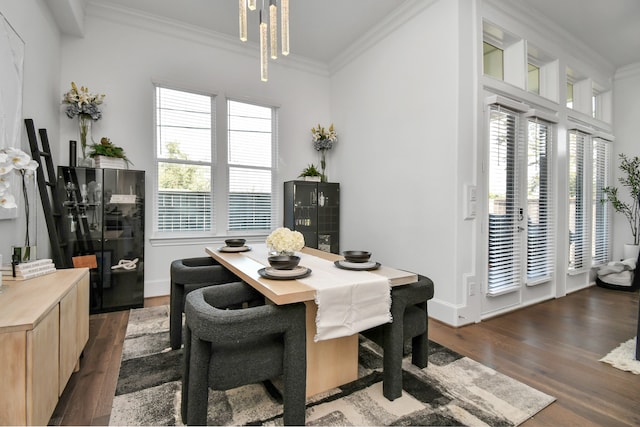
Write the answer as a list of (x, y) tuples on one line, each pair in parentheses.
[(451, 390), (623, 357)]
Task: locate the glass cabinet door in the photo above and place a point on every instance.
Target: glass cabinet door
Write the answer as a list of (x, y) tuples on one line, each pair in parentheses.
[(103, 222), (329, 217), (121, 260), (313, 209), (81, 210), (305, 212)]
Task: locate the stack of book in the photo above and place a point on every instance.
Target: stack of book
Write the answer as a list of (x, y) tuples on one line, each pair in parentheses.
[(28, 270)]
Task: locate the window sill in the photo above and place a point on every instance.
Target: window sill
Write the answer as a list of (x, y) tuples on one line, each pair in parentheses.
[(184, 240), (575, 272)]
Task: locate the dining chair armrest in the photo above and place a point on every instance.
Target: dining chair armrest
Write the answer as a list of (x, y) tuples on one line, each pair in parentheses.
[(199, 270), (414, 293), (210, 322)]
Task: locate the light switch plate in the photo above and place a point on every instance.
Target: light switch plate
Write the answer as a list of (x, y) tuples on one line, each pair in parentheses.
[(470, 201)]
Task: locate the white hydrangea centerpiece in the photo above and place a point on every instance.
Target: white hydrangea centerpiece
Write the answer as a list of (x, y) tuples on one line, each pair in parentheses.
[(283, 240)]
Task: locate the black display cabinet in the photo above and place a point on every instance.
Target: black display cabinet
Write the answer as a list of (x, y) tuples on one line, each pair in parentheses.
[(103, 223), (313, 208)]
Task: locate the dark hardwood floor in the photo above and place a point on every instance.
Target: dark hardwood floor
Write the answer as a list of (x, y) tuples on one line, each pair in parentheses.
[(553, 346)]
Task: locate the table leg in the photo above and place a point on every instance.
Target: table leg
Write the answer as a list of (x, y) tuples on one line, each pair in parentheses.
[(330, 363)]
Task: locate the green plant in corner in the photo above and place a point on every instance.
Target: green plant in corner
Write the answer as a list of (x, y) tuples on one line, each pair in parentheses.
[(630, 180), (108, 149), (310, 170)]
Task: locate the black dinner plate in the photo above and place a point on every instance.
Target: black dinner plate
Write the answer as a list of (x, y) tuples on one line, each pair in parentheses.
[(348, 267), (264, 273)]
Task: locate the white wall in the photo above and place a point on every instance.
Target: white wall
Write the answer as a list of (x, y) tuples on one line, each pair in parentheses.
[(396, 110), (33, 22), (122, 55), (626, 110)]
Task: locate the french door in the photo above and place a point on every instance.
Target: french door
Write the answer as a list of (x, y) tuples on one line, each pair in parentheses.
[(520, 248)]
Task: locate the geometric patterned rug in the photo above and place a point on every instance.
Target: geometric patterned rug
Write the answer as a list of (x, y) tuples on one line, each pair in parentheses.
[(451, 390)]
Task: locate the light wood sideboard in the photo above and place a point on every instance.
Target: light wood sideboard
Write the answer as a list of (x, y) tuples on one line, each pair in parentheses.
[(44, 326)]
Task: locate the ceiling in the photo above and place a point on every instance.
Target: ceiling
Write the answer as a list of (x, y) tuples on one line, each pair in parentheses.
[(610, 27), (322, 29)]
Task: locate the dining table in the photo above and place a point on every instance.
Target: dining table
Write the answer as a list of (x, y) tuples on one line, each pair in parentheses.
[(332, 361)]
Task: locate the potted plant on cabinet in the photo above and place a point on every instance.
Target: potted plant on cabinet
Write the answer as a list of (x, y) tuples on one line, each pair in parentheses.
[(108, 155), (311, 173), (630, 166)]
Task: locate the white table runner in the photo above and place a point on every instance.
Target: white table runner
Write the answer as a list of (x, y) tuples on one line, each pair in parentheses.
[(348, 301)]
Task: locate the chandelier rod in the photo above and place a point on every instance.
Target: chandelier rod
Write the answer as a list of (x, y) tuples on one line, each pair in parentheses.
[(268, 34)]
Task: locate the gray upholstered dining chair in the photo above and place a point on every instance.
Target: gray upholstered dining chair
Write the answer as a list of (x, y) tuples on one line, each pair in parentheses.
[(409, 312), (189, 274), (226, 348)]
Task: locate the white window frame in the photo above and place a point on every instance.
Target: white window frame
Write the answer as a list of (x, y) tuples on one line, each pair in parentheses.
[(522, 117), (219, 174), (274, 191), (196, 162)]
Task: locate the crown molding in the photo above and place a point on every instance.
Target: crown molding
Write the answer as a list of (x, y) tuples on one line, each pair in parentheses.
[(405, 12), (173, 28), (628, 72), (571, 47), (69, 16)]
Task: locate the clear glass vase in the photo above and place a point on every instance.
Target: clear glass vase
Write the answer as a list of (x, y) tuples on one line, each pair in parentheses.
[(26, 251), (84, 123)]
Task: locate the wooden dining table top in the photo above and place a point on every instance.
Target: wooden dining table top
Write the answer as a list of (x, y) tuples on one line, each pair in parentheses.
[(291, 291)]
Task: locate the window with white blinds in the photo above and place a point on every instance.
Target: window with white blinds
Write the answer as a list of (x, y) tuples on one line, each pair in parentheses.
[(184, 145), (250, 148), (601, 212), (577, 217), (540, 211), (505, 211)]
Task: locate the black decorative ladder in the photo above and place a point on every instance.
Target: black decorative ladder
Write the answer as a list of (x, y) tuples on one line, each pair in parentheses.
[(49, 193)]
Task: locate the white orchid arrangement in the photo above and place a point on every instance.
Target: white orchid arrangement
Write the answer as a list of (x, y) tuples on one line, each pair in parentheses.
[(14, 159), (284, 240), (323, 139), (83, 103)]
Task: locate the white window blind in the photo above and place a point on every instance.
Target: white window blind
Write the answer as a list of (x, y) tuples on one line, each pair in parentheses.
[(601, 212), (540, 211), (505, 211), (577, 217), (184, 143), (250, 144)]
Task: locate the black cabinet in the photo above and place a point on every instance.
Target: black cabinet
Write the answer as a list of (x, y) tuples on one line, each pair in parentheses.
[(313, 208), (103, 223)]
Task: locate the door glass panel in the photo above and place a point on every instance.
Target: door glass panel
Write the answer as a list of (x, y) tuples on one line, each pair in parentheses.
[(539, 210), (505, 212), (576, 201)]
